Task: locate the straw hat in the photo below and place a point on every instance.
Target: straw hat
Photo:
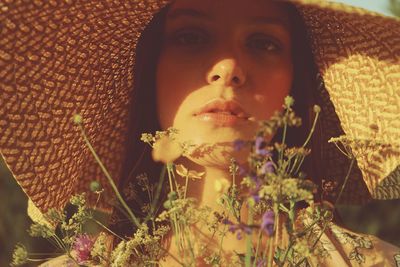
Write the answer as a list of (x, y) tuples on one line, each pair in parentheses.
[(62, 57)]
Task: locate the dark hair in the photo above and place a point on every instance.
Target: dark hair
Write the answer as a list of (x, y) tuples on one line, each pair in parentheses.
[(143, 115), (142, 119)]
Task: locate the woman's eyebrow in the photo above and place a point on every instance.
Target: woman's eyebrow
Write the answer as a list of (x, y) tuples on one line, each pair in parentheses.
[(270, 20), (182, 12), (198, 14)]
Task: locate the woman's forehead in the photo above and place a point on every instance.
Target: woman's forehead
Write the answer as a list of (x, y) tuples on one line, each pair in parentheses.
[(211, 9)]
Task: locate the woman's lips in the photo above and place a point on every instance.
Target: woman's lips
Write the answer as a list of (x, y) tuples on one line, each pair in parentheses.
[(222, 113), (220, 118)]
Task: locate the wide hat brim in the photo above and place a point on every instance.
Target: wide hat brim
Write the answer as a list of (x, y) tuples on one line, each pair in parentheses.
[(59, 58)]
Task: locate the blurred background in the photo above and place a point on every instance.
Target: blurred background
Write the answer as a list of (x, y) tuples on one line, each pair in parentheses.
[(380, 218)]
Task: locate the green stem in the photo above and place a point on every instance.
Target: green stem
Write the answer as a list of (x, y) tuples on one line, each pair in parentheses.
[(120, 209), (257, 247), (149, 195), (299, 165), (108, 229), (249, 244), (172, 256), (186, 186), (222, 239), (274, 239), (158, 191), (292, 214), (110, 179), (289, 165), (98, 199), (313, 246), (59, 242), (270, 249), (43, 259), (281, 263), (176, 185), (294, 164), (283, 142), (187, 237), (234, 178), (284, 131), (345, 180), (312, 129), (54, 243), (344, 153), (44, 254), (283, 208), (307, 228)]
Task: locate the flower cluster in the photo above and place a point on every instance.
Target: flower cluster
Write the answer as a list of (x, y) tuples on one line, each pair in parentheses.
[(270, 186), (82, 246)]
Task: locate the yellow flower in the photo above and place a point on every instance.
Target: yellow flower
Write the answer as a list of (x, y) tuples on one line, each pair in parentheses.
[(166, 150), (184, 172)]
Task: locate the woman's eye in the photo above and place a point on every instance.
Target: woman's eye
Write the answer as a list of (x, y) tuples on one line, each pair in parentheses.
[(189, 38), (263, 43)]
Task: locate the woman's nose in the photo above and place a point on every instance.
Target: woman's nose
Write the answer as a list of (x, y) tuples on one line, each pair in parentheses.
[(226, 72)]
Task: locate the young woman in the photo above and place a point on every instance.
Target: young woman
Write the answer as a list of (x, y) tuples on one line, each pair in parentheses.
[(212, 70)]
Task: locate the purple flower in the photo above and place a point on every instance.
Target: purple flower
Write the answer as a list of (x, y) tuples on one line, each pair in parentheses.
[(267, 223), (238, 228), (255, 190), (268, 167), (256, 198), (83, 244), (232, 227), (261, 147), (239, 235), (246, 229), (238, 144), (242, 229)]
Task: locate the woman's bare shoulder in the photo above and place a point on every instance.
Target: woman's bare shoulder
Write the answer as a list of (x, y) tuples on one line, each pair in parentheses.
[(63, 260)]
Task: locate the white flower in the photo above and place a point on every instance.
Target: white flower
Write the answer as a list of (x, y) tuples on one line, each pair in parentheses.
[(184, 172)]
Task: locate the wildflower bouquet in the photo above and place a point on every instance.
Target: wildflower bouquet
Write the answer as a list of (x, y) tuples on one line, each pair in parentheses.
[(270, 186)]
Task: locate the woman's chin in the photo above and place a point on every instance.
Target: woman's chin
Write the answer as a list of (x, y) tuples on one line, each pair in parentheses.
[(213, 146)]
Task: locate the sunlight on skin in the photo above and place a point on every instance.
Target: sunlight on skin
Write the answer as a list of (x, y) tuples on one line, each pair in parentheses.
[(209, 54), (230, 52)]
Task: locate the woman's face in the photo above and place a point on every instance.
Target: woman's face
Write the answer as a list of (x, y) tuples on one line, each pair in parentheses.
[(224, 65)]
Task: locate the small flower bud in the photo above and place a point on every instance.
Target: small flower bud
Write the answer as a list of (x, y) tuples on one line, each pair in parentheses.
[(20, 255), (172, 195), (289, 101), (78, 119), (95, 186), (317, 109), (168, 204)]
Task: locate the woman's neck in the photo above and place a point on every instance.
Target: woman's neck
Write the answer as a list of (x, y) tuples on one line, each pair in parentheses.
[(215, 183), (210, 187), (204, 189)]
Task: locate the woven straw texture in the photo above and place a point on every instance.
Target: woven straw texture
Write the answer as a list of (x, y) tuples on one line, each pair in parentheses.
[(358, 55), (59, 58)]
